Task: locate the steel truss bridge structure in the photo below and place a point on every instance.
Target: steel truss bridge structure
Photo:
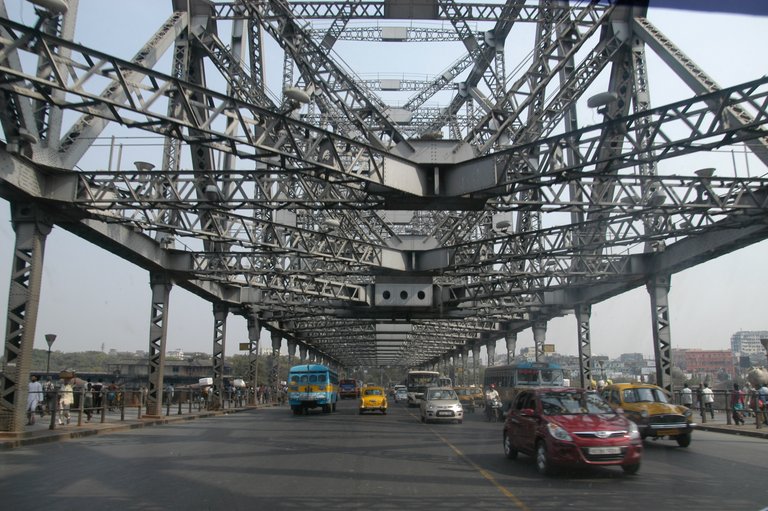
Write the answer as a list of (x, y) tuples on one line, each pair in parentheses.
[(387, 221)]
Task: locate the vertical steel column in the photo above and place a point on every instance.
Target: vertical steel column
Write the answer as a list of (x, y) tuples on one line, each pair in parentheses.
[(220, 312), (274, 370), (23, 301), (539, 337), (303, 352), (583, 313), (476, 363), (511, 340), (291, 350), (490, 349), (658, 288), (464, 377), (254, 332), (158, 331)]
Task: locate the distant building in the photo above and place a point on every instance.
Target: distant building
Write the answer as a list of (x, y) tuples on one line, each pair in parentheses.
[(746, 343), (177, 354), (706, 362)]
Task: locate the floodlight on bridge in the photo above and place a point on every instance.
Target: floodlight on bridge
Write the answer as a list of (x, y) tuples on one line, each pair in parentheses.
[(143, 166), (706, 173), (602, 100), (296, 94), (53, 6)]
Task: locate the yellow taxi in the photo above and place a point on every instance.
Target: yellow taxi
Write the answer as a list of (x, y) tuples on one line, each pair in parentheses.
[(373, 398), (466, 398), (650, 408)]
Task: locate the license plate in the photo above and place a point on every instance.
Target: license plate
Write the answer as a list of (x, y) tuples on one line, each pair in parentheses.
[(604, 450), (666, 432), (444, 413)]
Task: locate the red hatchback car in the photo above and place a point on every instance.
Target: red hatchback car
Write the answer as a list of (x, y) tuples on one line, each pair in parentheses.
[(570, 427)]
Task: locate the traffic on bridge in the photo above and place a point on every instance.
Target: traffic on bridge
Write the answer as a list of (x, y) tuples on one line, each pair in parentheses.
[(380, 185)]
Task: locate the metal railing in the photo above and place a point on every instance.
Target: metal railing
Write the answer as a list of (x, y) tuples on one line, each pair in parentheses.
[(110, 405)]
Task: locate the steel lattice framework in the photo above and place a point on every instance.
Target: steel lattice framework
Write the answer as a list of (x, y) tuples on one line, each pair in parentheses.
[(379, 231)]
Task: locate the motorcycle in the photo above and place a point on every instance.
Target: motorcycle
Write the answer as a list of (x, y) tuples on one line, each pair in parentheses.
[(493, 410)]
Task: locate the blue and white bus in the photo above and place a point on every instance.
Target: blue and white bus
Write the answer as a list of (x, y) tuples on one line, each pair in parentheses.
[(312, 386)]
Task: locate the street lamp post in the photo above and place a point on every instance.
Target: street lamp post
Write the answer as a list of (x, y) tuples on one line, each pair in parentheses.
[(49, 338)]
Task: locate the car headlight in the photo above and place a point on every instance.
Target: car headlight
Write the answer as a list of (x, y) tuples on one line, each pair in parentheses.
[(688, 413), (559, 433), (644, 414), (634, 433)]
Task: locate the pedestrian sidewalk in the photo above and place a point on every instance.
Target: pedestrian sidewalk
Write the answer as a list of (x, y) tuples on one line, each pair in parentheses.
[(40, 432), (720, 425)]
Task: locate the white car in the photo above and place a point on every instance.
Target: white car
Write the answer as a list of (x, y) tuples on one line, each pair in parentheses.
[(401, 395), (441, 404)]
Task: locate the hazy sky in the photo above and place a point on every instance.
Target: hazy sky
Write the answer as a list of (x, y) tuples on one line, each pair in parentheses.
[(92, 299)]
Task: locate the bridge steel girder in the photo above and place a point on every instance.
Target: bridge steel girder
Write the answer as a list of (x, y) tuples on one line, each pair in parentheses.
[(658, 289), (32, 227), (254, 335), (220, 312), (583, 312), (158, 334)]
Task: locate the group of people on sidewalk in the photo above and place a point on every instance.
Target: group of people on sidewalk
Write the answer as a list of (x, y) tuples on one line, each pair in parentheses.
[(47, 398), (741, 407), (740, 402)]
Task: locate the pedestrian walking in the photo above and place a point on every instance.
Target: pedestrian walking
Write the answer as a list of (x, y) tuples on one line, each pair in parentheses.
[(686, 396), (66, 399), (737, 405), (708, 397), (762, 403), (34, 397)]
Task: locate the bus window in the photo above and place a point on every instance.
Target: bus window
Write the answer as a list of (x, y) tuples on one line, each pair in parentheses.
[(527, 376), (303, 378), (320, 378), (294, 379), (312, 378)]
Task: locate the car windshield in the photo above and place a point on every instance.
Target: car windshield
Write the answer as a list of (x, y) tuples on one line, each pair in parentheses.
[(573, 403), (644, 395), (373, 392), (441, 394)]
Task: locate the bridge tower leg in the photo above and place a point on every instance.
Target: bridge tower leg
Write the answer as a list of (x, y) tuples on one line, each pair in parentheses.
[(583, 313), (303, 353), (254, 332), (476, 363), (292, 345), (490, 350), (658, 288), (158, 332), (539, 337), (274, 369), (32, 230), (220, 312), (466, 380), (511, 340)]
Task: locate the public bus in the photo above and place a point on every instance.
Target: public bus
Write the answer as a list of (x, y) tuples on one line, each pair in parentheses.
[(417, 382), (446, 381), (509, 379), (312, 386), (349, 388)]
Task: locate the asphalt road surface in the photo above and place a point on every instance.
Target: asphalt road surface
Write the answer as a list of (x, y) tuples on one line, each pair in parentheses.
[(270, 459)]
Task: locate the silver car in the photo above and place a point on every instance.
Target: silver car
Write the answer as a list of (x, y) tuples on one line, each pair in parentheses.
[(441, 404)]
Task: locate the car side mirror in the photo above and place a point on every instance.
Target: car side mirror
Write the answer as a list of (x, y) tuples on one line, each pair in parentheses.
[(620, 410), (527, 412)]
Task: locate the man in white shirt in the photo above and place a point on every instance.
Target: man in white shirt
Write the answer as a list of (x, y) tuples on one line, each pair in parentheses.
[(686, 396)]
